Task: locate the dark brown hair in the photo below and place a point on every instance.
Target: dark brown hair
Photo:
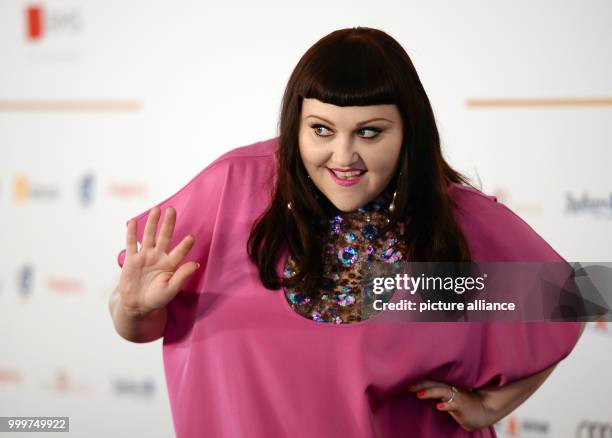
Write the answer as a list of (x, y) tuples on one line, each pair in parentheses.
[(349, 67)]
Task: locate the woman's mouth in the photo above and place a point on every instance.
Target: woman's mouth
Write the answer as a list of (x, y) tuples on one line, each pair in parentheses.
[(346, 177)]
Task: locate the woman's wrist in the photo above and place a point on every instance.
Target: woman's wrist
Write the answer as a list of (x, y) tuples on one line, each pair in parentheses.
[(135, 326), (501, 401), (495, 403)]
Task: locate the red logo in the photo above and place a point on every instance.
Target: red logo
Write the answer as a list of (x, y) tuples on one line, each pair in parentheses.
[(34, 22)]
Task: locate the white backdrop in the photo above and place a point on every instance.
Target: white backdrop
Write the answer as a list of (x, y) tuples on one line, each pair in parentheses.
[(109, 107)]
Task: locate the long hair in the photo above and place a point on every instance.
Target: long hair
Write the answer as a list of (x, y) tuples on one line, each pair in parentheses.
[(350, 67)]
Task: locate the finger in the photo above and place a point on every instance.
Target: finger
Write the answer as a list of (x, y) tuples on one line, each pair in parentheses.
[(166, 230), (179, 252), (130, 239), (454, 409), (442, 393), (181, 274), (148, 240), (449, 407)]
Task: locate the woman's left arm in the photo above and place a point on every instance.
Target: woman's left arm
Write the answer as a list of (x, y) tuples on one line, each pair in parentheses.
[(474, 410)]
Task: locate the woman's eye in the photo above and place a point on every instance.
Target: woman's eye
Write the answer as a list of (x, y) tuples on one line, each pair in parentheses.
[(319, 133), (375, 132)]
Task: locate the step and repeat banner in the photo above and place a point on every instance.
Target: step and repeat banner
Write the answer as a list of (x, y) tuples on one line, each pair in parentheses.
[(109, 107)]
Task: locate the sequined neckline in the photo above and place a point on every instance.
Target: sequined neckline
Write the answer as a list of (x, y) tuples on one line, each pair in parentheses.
[(353, 238)]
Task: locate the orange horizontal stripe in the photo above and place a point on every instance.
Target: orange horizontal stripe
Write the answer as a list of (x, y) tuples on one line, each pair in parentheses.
[(70, 105), (539, 102)]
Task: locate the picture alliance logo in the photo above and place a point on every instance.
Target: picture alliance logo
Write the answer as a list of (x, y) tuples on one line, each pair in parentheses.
[(42, 21)]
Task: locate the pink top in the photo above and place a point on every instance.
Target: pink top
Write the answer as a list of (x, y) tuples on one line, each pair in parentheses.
[(239, 362)]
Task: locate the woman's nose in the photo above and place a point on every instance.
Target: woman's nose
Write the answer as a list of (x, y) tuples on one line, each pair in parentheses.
[(345, 154)]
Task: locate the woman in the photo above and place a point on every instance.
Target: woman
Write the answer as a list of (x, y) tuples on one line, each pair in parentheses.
[(264, 326)]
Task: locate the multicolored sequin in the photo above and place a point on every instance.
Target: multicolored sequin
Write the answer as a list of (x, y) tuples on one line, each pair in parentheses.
[(353, 239)]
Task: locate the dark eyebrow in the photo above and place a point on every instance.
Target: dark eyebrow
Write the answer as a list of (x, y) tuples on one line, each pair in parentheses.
[(358, 124)]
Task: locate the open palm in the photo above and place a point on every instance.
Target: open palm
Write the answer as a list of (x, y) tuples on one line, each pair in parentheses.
[(151, 277)]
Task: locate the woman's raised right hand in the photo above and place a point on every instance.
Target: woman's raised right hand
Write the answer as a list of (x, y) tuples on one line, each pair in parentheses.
[(151, 277)]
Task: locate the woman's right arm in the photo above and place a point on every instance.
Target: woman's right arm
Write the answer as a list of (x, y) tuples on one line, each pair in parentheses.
[(150, 279)]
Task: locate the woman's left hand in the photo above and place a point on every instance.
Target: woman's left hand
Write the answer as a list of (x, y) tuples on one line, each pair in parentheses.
[(466, 407)]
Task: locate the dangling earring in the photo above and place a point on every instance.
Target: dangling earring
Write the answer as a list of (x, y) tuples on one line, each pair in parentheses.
[(392, 205)]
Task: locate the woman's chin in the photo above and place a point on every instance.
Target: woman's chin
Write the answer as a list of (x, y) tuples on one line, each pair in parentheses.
[(347, 205)]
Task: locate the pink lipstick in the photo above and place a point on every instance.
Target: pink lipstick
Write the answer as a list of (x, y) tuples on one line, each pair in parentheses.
[(346, 181)]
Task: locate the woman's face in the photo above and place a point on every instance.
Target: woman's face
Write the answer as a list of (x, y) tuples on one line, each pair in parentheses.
[(351, 153)]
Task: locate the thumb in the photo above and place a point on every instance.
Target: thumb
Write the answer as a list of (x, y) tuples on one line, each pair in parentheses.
[(181, 274)]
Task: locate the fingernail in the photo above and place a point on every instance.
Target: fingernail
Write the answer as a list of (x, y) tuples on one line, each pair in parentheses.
[(421, 393), (440, 405), (197, 265)]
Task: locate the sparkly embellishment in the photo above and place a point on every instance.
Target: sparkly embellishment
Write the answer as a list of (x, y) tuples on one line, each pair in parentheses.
[(335, 224), (298, 298), (316, 316), (288, 273), (370, 249), (390, 242), (347, 255), (350, 237), (390, 255), (344, 299), (370, 231)]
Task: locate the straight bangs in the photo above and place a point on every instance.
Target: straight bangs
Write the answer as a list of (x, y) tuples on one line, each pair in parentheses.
[(349, 72)]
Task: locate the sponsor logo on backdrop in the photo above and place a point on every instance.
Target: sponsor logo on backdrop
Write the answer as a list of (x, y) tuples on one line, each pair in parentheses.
[(64, 285), (594, 429), (520, 427), (86, 188), (62, 383), (25, 278), (44, 21), (9, 376), (587, 204), (520, 207), (34, 22), (130, 387), (24, 189), (127, 190)]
